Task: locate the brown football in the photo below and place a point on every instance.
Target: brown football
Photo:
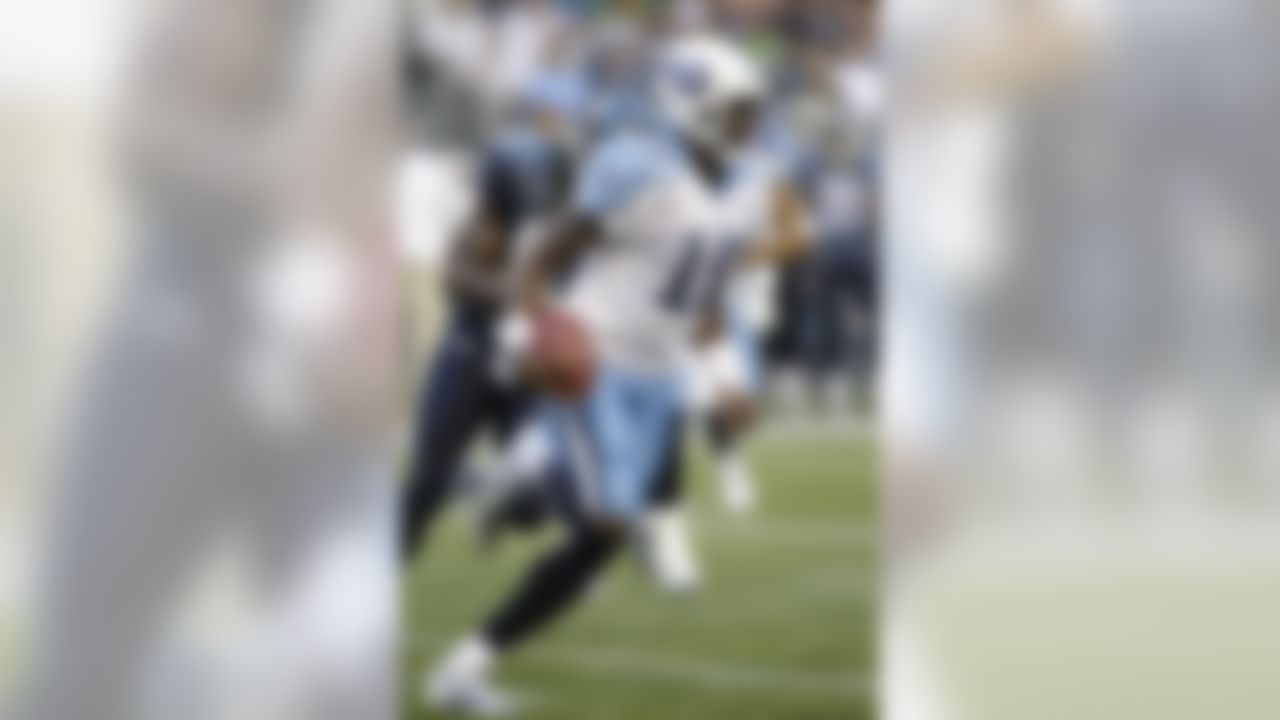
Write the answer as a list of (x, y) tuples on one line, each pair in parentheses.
[(561, 357)]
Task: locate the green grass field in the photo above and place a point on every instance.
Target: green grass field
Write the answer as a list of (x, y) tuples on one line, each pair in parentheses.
[(784, 628)]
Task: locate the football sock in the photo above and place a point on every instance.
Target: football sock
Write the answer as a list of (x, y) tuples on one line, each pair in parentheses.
[(552, 587)]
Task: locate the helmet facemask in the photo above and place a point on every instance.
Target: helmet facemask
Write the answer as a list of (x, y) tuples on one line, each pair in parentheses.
[(711, 94)]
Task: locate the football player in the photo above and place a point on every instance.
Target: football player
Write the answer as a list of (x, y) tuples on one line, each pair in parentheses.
[(525, 177), (658, 223)]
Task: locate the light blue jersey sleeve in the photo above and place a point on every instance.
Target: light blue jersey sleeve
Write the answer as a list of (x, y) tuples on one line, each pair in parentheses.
[(619, 171)]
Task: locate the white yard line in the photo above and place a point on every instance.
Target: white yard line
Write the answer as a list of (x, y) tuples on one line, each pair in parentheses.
[(785, 531), (710, 674), (706, 674)]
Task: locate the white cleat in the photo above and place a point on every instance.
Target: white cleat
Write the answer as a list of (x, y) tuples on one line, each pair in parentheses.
[(669, 551), (472, 699), (461, 684), (737, 488)]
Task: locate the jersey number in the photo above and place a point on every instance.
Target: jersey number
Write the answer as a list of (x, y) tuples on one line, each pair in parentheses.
[(698, 277)]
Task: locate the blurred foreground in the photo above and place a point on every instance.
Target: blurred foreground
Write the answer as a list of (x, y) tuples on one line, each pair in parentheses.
[(1080, 398)]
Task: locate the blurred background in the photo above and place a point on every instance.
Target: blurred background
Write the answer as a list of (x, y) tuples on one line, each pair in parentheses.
[(1079, 387)]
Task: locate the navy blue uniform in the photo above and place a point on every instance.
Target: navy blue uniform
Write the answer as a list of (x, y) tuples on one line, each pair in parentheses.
[(844, 264), (523, 177)]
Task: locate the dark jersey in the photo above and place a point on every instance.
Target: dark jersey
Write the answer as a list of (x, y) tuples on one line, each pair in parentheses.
[(523, 177)]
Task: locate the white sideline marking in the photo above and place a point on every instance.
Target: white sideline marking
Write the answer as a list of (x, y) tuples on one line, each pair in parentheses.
[(703, 673)]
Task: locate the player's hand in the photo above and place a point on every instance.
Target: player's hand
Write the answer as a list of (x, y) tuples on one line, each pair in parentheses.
[(554, 352)]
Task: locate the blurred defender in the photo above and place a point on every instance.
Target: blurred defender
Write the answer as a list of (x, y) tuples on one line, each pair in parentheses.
[(658, 223), (525, 177)]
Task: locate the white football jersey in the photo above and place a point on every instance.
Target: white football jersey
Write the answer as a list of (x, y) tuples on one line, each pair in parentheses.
[(672, 242)]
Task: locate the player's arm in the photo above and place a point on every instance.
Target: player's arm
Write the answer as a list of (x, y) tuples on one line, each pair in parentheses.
[(788, 235), (474, 268), (531, 314), (610, 179), (568, 239), (476, 255)]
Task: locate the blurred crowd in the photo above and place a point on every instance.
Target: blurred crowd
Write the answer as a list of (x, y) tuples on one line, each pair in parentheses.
[(470, 63)]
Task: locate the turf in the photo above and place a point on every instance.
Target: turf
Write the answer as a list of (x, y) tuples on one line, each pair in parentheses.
[(782, 630)]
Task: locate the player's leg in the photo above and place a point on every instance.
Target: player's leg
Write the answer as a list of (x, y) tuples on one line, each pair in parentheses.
[(524, 505), (669, 485), (551, 588), (450, 412), (788, 339), (553, 584), (664, 532), (838, 330), (519, 475), (862, 296), (817, 317), (737, 365), (610, 449), (737, 485)]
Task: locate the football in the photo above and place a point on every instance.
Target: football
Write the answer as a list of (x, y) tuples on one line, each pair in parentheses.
[(561, 358)]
